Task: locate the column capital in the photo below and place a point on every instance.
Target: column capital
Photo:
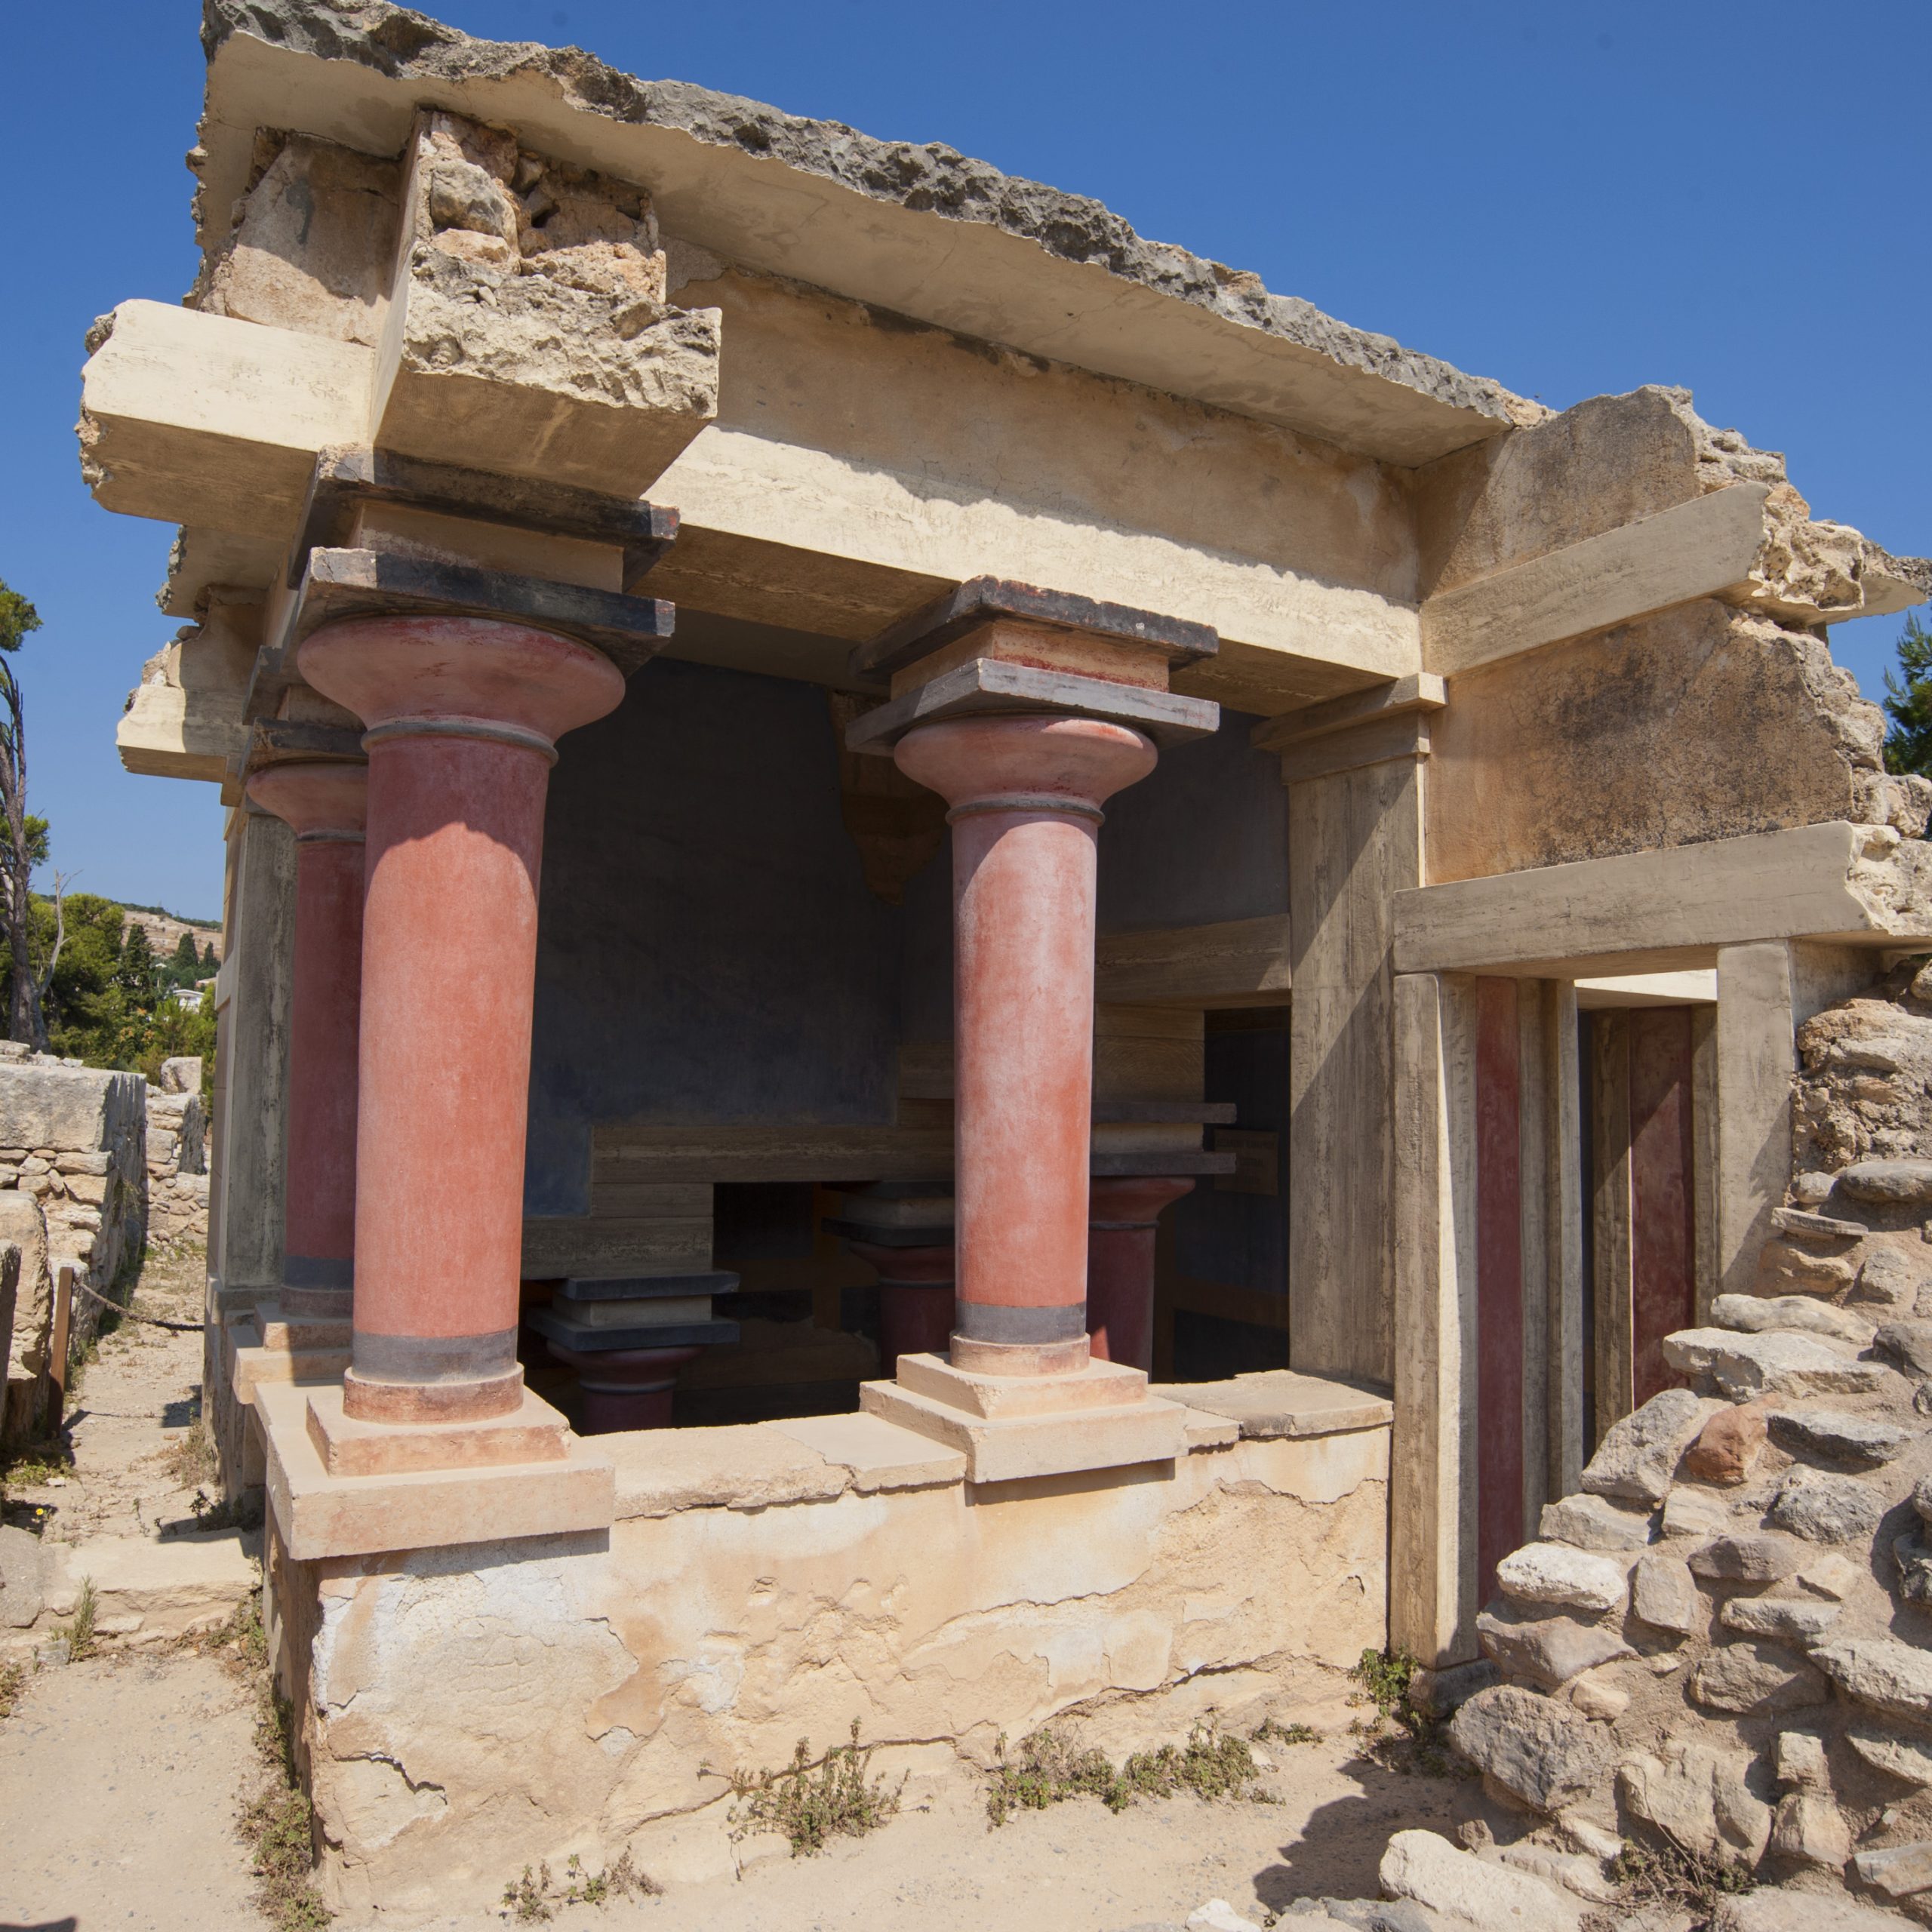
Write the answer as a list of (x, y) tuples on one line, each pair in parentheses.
[(320, 800), (438, 675), (1025, 764)]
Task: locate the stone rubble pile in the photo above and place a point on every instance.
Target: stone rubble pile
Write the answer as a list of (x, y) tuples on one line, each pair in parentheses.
[(1724, 1641)]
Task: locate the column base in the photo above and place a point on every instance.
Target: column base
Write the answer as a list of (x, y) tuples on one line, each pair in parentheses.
[(354, 1445), (249, 1360), (284, 1324), (480, 1399), (321, 1513), (316, 1304), (1098, 1416), (1020, 1358), (624, 1388)]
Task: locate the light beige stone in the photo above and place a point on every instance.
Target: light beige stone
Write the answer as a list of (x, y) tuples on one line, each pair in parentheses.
[(173, 1583), (660, 1472)]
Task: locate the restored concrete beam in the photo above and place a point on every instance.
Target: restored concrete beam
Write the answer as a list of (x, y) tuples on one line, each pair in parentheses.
[(1702, 547), (1649, 911), (1232, 963)]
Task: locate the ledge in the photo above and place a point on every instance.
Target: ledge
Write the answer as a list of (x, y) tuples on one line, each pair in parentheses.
[(1277, 1402)]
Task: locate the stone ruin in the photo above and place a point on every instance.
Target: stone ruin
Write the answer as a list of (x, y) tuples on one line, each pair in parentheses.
[(1722, 1639)]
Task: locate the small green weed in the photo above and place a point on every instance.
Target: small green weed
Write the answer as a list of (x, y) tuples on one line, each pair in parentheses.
[(532, 1899), (1049, 1770), (79, 1629), (808, 1810), (36, 1463), (1400, 1737), (1269, 1732), (191, 1460), (13, 1680), (278, 1822)]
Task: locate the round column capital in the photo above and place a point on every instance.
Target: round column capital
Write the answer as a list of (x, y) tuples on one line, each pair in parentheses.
[(1028, 763), (322, 800), (477, 677)]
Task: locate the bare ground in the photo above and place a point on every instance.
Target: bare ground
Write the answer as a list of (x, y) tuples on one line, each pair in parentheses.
[(121, 1779)]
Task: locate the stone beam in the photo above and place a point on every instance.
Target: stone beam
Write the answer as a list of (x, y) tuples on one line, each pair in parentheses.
[(1664, 911), (1233, 962)]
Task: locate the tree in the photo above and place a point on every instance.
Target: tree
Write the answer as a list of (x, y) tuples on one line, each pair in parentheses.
[(24, 838), (187, 962), (137, 974), (1909, 702)]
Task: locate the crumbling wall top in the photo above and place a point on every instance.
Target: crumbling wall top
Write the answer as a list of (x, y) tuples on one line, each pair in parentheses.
[(1043, 271)]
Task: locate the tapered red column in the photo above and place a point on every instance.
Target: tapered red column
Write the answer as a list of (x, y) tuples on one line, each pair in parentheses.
[(1121, 1233), (1026, 794), (463, 713), (324, 803)]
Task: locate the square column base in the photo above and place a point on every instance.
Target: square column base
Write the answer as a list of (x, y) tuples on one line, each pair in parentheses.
[(1010, 1426), (532, 1432), (250, 1361), (320, 1514), (300, 1334)]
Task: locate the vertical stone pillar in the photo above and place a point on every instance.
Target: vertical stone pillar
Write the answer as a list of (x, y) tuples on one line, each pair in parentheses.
[(1123, 1225), (1353, 767), (463, 715), (1025, 794), (323, 803)]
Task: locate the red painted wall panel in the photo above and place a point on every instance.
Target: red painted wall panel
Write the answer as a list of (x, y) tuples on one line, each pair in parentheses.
[(1498, 1280), (1663, 1200)]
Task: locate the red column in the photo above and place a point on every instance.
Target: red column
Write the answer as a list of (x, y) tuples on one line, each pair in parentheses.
[(1025, 795), (1125, 1214), (915, 1299), (324, 802), (463, 713)]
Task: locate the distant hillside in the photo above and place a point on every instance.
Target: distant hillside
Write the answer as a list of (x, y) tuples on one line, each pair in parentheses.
[(164, 929)]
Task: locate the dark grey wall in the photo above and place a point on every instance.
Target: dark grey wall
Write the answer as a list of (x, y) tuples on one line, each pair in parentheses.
[(1204, 839), (708, 951)]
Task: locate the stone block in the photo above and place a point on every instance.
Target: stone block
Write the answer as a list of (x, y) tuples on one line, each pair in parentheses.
[(1810, 1829), (533, 1432), (1430, 1870), (1548, 1650), (1888, 1183), (1748, 1558), (1825, 1507), (1541, 1751), (1784, 1365), (1881, 1673), (1551, 1573), (1795, 1617), (1834, 1436), (1728, 1446), (1005, 1448), (1698, 1799), (318, 1514), (182, 1074), (661, 1471), (1754, 1315), (1282, 1402), (1638, 1456), (1594, 1522), (24, 1566), (170, 1583), (877, 1454), (1754, 1678), (1665, 1595), (1899, 1871)]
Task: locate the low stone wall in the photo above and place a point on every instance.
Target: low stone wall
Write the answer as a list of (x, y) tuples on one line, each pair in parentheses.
[(472, 1709), (1725, 1640), (72, 1143), (176, 1151)]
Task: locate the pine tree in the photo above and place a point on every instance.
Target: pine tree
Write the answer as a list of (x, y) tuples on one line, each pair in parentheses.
[(1909, 702), (185, 962), (135, 976)]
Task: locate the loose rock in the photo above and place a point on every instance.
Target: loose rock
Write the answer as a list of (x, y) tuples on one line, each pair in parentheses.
[(1665, 1595), (1757, 1315), (1638, 1456), (1553, 1572), (23, 1573), (1881, 1673), (1699, 1799), (1825, 1508), (1908, 1343), (1777, 1363), (1889, 1183), (1748, 1559), (1887, 1278), (1594, 1522), (1786, 1269), (1755, 1678), (1831, 1435), (1728, 1446), (1543, 1753), (1767, 1910), (1549, 1651), (1899, 1871), (1695, 1513), (1912, 1553), (1430, 1870), (1597, 1697), (1791, 1619), (1896, 1757), (1810, 1829)]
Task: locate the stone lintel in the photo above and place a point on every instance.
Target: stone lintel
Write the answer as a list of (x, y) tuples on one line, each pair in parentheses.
[(648, 1288), (987, 686), (982, 601), (320, 1515), (878, 1454), (346, 477)]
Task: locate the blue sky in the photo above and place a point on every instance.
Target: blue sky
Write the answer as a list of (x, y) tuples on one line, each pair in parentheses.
[(1571, 199)]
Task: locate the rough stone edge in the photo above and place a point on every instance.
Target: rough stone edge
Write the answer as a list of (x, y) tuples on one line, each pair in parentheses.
[(932, 178)]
